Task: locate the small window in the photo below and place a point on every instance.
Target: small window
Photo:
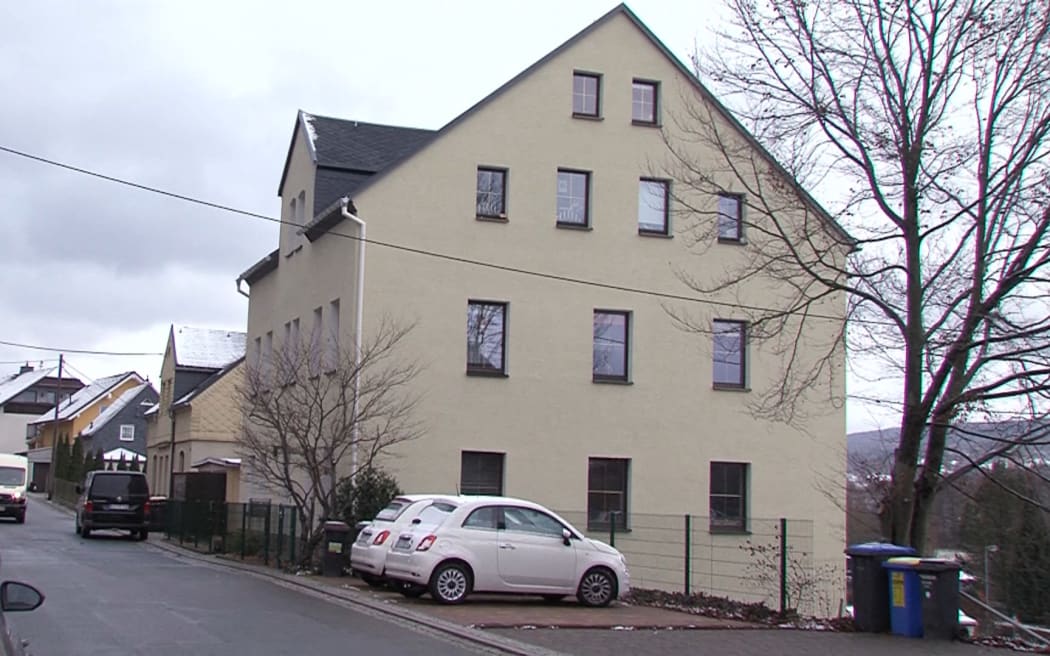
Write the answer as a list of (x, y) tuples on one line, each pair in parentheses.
[(730, 347), (574, 198), (486, 338), (611, 345), (481, 473), (182, 461), (643, 102), (127, 432), (492, 193), (586, 92), (730, 224), (606, 493), (652, 207), (728, 496), (316, 343), (332, 356)]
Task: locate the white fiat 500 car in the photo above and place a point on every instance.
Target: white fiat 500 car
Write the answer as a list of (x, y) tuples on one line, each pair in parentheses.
[(504, 545), (369, 550)]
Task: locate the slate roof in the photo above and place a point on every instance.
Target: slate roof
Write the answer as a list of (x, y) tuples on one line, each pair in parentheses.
[(206, 348), (113, 408), (15, 384), (208, 382), (86, 396)]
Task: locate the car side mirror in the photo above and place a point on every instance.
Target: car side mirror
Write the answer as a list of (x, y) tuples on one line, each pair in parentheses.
[(80, 489), (566, 537), (15, 596)]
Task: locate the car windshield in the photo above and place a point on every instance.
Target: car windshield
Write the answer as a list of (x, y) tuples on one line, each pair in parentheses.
[(118, 485), (12, 476), (393, 510), (435, 513)]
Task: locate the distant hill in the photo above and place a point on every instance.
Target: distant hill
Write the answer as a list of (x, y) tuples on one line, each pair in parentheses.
[(875, 448)]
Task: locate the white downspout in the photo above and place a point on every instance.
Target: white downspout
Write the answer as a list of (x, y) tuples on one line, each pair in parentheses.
[(359, 312)]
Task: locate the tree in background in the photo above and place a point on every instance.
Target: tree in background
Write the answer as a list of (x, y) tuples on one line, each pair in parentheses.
[(1019, 567), (76, 461), (62, 457), (100, 461), (924, 128), (313, 419)]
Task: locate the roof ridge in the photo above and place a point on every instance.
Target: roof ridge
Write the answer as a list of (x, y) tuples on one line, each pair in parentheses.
[(368, 123)]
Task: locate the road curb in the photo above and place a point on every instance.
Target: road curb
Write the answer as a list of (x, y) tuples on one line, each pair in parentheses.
[(465, 633)]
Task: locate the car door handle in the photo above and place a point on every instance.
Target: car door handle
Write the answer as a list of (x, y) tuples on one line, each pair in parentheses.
[(507, 546)]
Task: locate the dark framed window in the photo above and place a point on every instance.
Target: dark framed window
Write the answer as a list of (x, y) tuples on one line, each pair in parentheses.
[(730, 217), (644, 98), (729, 496), (730, 349), (481, 472), (574, 198), (611, 345), (586, 94), (491, 201), (486, 337), (607, 492), (652, 206)]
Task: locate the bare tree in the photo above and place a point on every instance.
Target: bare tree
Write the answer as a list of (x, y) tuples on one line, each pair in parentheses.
[(307, 417), (923, 127)]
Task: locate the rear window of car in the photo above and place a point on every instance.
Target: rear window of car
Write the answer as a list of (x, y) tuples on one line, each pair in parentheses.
[(118, 485), (393, 510), (435, 513)]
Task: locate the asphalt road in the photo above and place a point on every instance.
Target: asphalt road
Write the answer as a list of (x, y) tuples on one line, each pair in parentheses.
[(110, 595)]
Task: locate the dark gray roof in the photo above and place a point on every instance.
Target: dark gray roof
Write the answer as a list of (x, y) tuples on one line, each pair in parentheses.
[(347, 152)]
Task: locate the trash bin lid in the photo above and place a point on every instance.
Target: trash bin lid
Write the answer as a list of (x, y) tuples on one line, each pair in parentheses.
[(937, 565), (902, 562), (336, 526), (879, 549)]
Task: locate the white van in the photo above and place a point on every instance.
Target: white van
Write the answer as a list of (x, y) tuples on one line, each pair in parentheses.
[(13, 471)]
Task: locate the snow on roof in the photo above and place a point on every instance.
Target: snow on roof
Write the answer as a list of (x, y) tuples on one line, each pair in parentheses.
[(222, 462), (85, 396), (154, 409), (308, 121), (15, 384), (115, 454), (112, 409), (207, 348)]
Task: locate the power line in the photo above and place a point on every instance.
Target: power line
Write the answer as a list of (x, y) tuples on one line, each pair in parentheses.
[(80, 351), (434, 254)]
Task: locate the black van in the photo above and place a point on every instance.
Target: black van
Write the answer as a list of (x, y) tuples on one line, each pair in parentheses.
[(113, 499)]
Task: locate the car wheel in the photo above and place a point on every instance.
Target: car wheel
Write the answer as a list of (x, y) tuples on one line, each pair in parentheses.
[(597, 588), (373, 581), (143, 535), (450, 583), (85, 532), (552, 598), (76, 527), (21, 518), (411, 590)]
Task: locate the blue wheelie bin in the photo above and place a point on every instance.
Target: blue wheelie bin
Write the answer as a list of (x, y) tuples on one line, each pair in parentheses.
[(871, 606), (905, 596)]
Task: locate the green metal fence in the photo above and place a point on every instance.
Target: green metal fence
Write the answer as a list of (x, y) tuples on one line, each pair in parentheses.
[(258, 531)]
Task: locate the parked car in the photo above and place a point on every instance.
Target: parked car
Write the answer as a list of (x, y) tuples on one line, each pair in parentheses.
[(113, 499), (15, 597), (13, 486), (369, 550), (504, 545)]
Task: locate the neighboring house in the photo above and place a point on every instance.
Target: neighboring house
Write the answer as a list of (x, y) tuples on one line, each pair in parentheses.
[(25, 396), (588, 399), (89, 415), (197, 420), (121, 428)]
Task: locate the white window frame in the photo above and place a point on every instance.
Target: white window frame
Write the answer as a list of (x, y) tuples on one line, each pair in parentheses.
[(127, 432)]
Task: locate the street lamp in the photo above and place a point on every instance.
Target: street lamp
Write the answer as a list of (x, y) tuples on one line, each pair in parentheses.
[(988, 549)]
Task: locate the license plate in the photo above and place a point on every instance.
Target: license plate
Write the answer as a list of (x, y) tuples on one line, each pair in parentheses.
[(119, 506), (363, 538), (404, 542)]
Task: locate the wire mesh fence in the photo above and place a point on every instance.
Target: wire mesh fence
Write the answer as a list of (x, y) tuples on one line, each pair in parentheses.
[(769, 560)]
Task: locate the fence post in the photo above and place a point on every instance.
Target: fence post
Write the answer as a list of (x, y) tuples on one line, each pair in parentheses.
[(292, 531), (182, 521), (783, 565), (280, 533), (196, 522), (688, 550), (245, 507), (266, 541), (612, 528)]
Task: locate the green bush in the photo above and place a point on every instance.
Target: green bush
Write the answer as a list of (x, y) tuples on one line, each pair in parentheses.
[(363, 498)]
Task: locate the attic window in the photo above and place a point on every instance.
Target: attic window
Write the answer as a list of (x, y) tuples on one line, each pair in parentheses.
[(127, 432)]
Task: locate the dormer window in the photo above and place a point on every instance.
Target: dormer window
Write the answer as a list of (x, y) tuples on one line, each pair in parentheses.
[(586, 95)]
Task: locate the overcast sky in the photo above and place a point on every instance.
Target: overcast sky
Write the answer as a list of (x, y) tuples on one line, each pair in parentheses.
[(200, 98)]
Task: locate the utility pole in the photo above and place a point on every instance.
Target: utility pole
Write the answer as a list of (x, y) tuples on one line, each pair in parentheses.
[(54, 431)]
